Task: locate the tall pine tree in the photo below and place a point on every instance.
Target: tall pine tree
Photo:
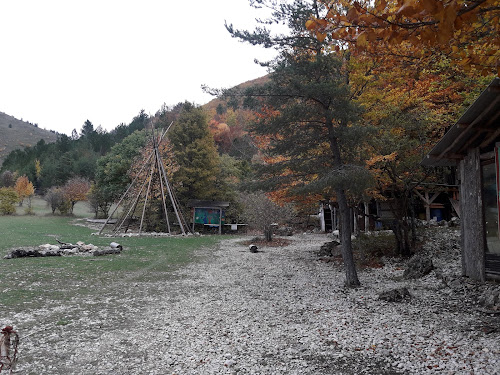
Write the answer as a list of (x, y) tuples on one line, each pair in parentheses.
[(196, 155), (306, 117)]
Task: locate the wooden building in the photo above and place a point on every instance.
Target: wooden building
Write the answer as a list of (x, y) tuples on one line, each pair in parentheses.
[(472, 145)]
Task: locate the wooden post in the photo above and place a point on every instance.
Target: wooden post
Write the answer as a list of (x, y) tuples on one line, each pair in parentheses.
[(334, 221), (367, 217), (355, 226), (194, 216), (220, 220), (332, 217), (427, 202), (472, 222), (427, 207), (322, 221)]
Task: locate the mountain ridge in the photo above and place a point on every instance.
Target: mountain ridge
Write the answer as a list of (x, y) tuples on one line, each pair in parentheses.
[(16, 134)]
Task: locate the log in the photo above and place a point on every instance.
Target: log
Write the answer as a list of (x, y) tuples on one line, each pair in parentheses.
[(115, 245), (106, 251)]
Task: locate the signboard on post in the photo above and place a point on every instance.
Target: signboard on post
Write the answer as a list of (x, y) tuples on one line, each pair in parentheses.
[(208, 216)]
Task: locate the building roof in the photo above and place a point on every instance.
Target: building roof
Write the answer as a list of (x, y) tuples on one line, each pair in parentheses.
[(478, 127), (207, 204)]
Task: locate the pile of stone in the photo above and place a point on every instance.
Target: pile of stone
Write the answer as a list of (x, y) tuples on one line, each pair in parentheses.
[(63, 249)]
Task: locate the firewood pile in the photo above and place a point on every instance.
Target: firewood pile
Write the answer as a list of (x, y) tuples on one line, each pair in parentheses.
[(63, 249)]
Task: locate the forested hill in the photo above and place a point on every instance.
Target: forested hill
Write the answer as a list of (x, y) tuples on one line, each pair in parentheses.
[(16, 134), (212, 105)]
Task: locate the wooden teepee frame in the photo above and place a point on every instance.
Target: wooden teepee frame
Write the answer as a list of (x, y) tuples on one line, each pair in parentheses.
[(154, 164)]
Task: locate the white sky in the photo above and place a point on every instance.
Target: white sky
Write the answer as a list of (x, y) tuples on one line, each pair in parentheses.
[(63, 62)]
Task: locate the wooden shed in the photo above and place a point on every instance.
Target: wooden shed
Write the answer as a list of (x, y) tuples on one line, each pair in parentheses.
[(472, 145)]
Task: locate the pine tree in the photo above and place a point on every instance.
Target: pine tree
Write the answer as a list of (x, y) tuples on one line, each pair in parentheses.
[(196, 156), (305, 117)]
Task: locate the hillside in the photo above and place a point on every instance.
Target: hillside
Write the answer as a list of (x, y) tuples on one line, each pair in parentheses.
[(212, 105), (16, 134)]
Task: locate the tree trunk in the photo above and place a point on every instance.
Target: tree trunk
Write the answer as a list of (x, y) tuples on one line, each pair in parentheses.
[(345, 240), (401, 232), (345, 217), (268, 233), (413, 225)]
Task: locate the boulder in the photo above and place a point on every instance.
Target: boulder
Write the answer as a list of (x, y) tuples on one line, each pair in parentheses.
[(417, 267), (395, 295), (329, 249)]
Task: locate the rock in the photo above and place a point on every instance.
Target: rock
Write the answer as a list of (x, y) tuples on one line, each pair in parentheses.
[(329, 249), (89, 247), (48, 250), (395, 295), (489, 299), (335, 234), (253, 248), (24, 252), (417, 267)]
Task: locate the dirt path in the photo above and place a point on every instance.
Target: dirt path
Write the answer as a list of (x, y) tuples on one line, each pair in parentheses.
[(279, 311)]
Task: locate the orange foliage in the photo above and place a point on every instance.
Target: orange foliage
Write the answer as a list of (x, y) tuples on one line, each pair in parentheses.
[(224, 135), (24, 188), (468, 32), (76, 189)]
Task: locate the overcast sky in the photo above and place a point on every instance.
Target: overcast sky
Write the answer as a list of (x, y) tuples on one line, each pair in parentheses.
[(63, 62)]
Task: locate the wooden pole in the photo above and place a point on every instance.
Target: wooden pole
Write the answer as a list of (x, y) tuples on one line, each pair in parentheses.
[(126, 192), (427, 199), (472, 221), (334, 221), (164, 201), (194, 216), (172, 199), (367, 217), (132, 208), (146, 197), (220, 220), (332, 217)]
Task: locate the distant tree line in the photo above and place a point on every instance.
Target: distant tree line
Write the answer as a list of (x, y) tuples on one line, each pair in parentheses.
[(68, 157), (97, 166)]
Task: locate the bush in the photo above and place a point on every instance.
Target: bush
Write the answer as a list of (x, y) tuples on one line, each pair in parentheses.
[(8, 197), (371, 248), (56, 199)]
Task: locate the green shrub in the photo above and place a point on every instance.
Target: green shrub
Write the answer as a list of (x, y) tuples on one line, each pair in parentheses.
[(370, 248), (8, 197), (65, 207)]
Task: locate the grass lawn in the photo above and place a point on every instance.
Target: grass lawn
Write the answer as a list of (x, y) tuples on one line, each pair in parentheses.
[(28, 284)]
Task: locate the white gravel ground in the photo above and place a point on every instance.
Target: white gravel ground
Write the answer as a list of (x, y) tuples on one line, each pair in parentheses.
[(278, 311)]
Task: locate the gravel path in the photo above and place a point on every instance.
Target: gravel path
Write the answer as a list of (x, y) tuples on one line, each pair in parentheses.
[(278, 311)]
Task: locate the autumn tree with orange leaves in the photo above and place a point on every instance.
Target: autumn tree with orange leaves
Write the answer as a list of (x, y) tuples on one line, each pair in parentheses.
[(75, 190), (415, 31), (410, 112), (413, 65), (24, 189)]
